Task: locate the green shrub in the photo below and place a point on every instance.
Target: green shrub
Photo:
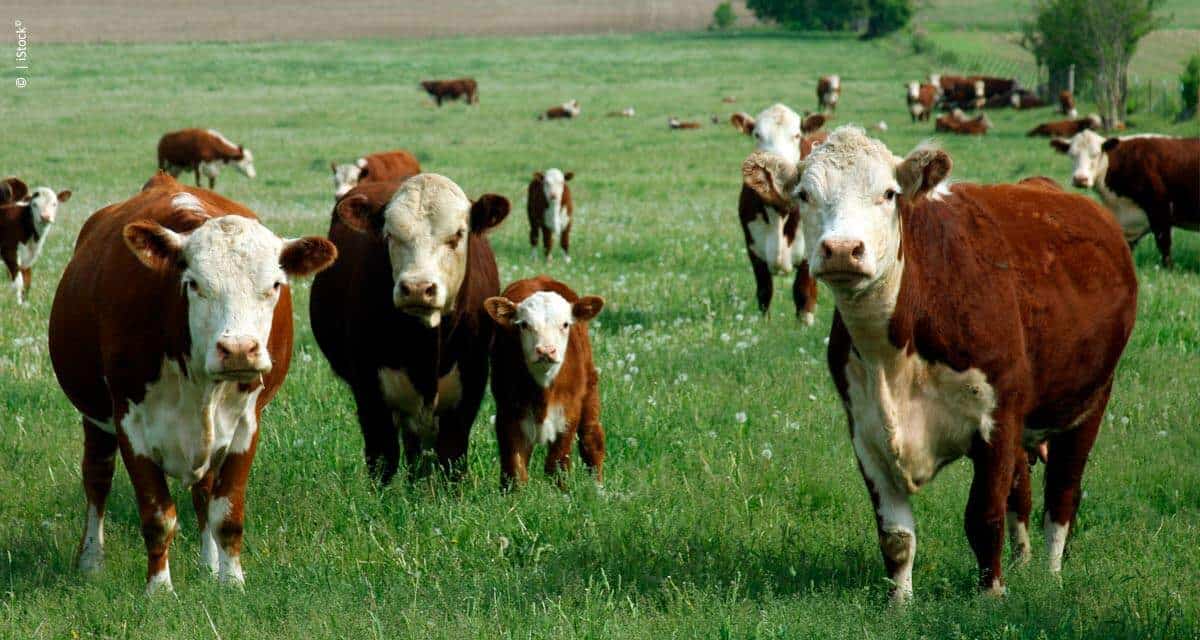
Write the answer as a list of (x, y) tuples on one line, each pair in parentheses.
[(723, 17), (1189, 87)]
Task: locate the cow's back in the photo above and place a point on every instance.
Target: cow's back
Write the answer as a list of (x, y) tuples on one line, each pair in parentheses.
[(389, 165), (1155, 171)]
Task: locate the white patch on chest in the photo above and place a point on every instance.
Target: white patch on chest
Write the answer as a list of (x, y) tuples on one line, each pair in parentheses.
[(556, 218), (28, 252), (187, 426), (547, 430), (1132, 218), (410, 409)]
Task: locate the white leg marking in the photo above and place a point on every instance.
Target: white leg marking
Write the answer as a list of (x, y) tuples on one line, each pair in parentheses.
[(227, 568), (1056, 541), (91, 552), (18, 286), (161, 581), (996, 590), (898, 539), (1018, 534), (808, 318), (208, 548)]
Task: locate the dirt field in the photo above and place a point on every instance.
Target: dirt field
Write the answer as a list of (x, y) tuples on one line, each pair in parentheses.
[(256, 20)]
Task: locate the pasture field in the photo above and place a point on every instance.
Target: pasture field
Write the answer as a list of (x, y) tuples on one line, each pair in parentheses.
[(732, 507)]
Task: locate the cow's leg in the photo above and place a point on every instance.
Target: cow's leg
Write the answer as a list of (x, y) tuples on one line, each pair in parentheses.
[(764, 287), (197, 170), (558, 458), (9, 256), (565, 240), (27, 276), (894, 523), (1162, 237), (990, 488), (99, 460), (381, 444), (547, 241), (201, 496), (226, 510), (455, 431), (1067, 458), (157, 512), (514, 450), (804, 294), (1020, 503), (591, 435)]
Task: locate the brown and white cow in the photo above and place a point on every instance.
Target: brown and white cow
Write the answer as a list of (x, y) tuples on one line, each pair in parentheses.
[(25, 220), (551, 209), (1066, 104), (1022, 99), (676, 123), (993, 86), (384, 166), (1151, 183), (565, 111), (957, 122), (959, 92), (921, 98), (202, 151), (544, 381), (400, 316), (770, 229), (1065, 128), (170, 332), (442, 90), (972, 320), (829, 91)]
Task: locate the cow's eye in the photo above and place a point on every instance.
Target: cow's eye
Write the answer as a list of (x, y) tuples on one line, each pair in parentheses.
[(194, 288), (889, 195), (566, 325), (803, 195)]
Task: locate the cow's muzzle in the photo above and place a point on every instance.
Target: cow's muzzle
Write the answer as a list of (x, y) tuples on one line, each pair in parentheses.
[(240, 359)]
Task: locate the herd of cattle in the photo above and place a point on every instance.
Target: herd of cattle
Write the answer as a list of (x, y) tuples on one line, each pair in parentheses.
[(969, 320)]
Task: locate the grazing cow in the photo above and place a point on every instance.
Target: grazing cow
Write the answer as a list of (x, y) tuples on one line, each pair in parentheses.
[(971, 320), (1021, 99), (1066, 104), (202, 151), (566, 110), (385, 166), (25, 220), (771, 229), (400, 317), (921, 98), (170, 332), (1151, 183), (550, 207), (1065, 128), (957, 92), (544, 381), (442, 90), (829, 89), (676, 123)]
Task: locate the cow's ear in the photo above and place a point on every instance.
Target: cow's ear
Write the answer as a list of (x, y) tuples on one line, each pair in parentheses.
[(501, 309), (812, 123), (156, 246), (13, 190), (538, 176), (568, 175), (770, 176), (357, 213), (488, 212), (742, 122), (1060, 145), (923, 170), (1110, 144), (63, 196), (306, 256), (587, 307)]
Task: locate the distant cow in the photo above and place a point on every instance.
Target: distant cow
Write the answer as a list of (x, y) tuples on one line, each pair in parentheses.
[(400, 316), (921, 98), (958, 92), (770, 230), (25, 220), (627, 112), (829, 90), (458, 88), (1150, 183), (170, 332), (993, 86), (1066, 104), (376, 167), (550, 207), (957, 122), (544, 381), (202, 151), (676, 123), (1022, 99), (566, 110), (972, 320), (1065, 128)]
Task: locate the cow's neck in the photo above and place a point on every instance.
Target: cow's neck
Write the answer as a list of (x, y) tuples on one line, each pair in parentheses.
[(32, 228), (867, 315)]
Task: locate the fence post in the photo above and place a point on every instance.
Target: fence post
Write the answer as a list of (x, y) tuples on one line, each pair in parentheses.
[(1071, 80)]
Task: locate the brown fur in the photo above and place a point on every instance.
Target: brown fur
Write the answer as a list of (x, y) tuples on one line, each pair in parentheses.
[(442, 90), (187, 148), (926, 97), (1066, 102), (12, 190), (675, 123), (535, 208), (17, 228), (1062, 128), (825, 91), (974, 127), (387, 166), (1027, 100), (959, 92)]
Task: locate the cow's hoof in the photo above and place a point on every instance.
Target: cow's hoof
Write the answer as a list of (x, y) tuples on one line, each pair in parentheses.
[(996, 591), (807, 318), (900, 596), (159, 583), (566, 258)]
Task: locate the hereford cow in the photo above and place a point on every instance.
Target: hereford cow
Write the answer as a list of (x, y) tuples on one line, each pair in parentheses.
[(627, 112), (1065, 128), (567, 110), (771, 229), (550, 207), (1150, 183), (544, 382), (829, 90), (957, 122), (25, 220), (976, 320), (676, 123), (958, 92), (1066, 104), (442, 90), (170, 331), (202, 151), (1021, 99), (921, 98), (400, 317), (376, 167)]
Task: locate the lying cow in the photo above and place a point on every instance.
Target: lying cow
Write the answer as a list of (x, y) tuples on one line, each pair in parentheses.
[(458, 88), (676, 123), (627, 112), (550, 207), (771, 230), (829, 91), (1065, 128), (993, 86), (25, 220), (1066, 104), (1150, 183), (958, 92), (202, 151), (171, 331), (385, 166), (957, 122), (1022, 99), (544, 381), (972, 320), (400, 317), (564, 111), (921, 98)]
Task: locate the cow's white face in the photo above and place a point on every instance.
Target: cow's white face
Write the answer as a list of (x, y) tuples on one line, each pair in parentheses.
[(1090, 161), (553, 183), (345, 178), (914, 90), (43, 203), (246, 164), (426, 225), (777, 130), (543, 321)]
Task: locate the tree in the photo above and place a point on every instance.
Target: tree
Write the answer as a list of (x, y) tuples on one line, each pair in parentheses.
[(723, 17), (880, 16)]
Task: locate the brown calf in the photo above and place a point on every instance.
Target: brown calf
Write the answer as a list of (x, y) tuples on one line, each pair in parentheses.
[(1065, 128), (921, 98), (564, 111), (25, 220), (544, 381), (442, 90), (551, 210), (829, 91), (676, 123), (1066, 104), (1021, 99), (202, 151)]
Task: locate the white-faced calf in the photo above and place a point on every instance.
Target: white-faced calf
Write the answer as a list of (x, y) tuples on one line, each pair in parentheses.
[(25, 220), (550, 208), (829, 91), (544, 381)]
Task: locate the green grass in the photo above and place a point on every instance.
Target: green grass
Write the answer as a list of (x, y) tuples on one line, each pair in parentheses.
[(698, 533)]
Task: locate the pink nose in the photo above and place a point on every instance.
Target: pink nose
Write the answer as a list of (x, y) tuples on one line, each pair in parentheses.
[(1081, 181), (546, 352), (422, 291), (237, 353), (842, 253)]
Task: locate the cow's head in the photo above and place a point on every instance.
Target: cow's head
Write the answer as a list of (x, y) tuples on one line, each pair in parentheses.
[(543, 321), (980, 94), (425, 226), (43, 204), (345, 177), (776, 130), (1086, 150), (554, 182), (850, 192), (914, 90), (232, 270), (245, 162)]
